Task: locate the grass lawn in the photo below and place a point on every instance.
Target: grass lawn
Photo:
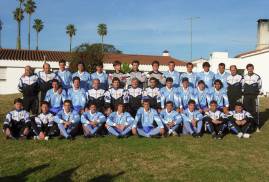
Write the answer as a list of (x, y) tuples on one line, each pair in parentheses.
[(136, 159)]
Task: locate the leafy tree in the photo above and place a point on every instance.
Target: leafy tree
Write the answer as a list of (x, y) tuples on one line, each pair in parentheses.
[(70, 31), (18, 16), (29, 8), (38, 26), (102, 31), (125, 68)]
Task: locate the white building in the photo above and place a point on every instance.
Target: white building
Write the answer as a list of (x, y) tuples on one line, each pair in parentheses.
[(12, 63)]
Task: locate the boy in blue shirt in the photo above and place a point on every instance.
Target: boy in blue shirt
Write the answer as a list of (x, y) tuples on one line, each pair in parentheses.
[(202, 97), (101, 76), (207, 75), (84, 76), (64, 75), (186, 94), (171, 73), (192, 77)]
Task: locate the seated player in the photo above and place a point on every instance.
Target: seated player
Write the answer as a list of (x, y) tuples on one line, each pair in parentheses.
[(215, 120), (153, 94), (77, 95), (202, 97), (120, 123), (67, 120), (171, 119), (43, 124), (92, 121), (186, 94), (55, 97), (192, 120), (220, 96), (170, 93), (134, 97), (101, 75), (148, 122), (96, 95), (115, 95), (240, 121), (17, 123)]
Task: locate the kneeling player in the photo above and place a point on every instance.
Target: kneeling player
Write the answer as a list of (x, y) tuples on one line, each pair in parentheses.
[(120, 123), (43, 125), (148, 122), (92, 120), (171, 119), (192, 120), (67, 120), (240, 121), (215, 121), (17, 123)]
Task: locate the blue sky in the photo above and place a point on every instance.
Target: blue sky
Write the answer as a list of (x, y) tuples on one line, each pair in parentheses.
[(144, 26)]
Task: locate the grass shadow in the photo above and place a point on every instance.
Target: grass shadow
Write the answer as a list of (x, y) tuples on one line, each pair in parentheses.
[(106, 177), (63, 176), (264, 117)]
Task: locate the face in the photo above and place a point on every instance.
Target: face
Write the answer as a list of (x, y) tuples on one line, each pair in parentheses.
[(116, 84), (93, 108), (18, 106), (62, 66), (233, 70), (153, 83), (238, 108), (201, 86), (80, 67), (221, 69), (191, 107), (95, 84), (135, 66), (67, 107), (189, 68), (217, 86), (76, 83), (171, 66), (250, 70), (155, 67), (108, 111), (185, 84), (120, 108), (134, 83), (117, 67), (45, 108), (146, 106), (55, 85), (213, 107), (99, 69), (46, 68), (27, 71), (169, 107), (206, 68), (169, 84)]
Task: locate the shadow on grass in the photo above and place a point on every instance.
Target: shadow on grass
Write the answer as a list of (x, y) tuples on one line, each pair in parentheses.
[(64, 176), (23, 175), (106, 177), (264, 117)]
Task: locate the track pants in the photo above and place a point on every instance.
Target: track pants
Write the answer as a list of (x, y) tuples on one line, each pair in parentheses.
[(48, 130), (214, 128), (240, 129), (90, 130), (148, 132), (16, 128), (31, 104), (70, 131), (116, 132), (193, 129)]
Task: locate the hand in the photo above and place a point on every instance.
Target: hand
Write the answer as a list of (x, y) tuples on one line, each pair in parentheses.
[(162, 131), (238, 122), (93, 123), (41, 136), (243, 122), (120, 127), (193, 122)]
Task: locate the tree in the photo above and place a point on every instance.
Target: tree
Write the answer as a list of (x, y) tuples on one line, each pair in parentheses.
[(70, 31), (125, 68), (1, 27), (29, 8), (102, 31), (38, 26), (18, 16)]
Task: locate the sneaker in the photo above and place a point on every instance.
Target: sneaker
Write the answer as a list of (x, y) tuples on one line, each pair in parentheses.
[(194, 135), (170, 132), (174, 133), (214, 135), (240, 135), (246, 135), (46, 138), (219, 137), (258, 130)]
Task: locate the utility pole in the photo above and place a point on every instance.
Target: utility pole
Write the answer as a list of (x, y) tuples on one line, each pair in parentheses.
[(1, 27), (191, 19)]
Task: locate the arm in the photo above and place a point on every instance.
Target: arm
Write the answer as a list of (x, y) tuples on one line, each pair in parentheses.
[(102, 118), (84, 120), (158, 120), (110, 121)]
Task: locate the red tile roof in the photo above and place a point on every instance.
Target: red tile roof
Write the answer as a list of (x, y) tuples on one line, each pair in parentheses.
[(41, 55), (255, 52)]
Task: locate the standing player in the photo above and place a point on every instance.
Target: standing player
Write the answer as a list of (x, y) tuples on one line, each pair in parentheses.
[(135, 73), (153, 94), (64, 75), (101, 76), (186, 94), (222, 75), (171, 73), (155, 73), (83, 75), (117, 74), (192, 77), (202, 97), (207, 75), (134, 97)]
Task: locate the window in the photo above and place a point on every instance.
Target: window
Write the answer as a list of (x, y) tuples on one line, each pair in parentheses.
[(3, 73)]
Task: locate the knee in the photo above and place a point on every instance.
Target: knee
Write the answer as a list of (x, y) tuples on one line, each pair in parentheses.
[(134, 131)]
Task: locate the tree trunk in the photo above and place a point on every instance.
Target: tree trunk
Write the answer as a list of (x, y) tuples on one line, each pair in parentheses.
[(0, 39), (19, 36), (29, 29), (70, 45), (102, 37), (36, 40)]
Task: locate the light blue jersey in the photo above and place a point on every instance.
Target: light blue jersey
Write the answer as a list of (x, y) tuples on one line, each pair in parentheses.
[(192, 77), (85, 79), (78, 98), (87, 117), (207, 77), (202, 98), (103, 79), (56, 99), (147, 118), (188, 116), (65, 78), (63, 116), (173, 74), (186, 94), (170, 95), (220, 96), (223, 78), (172, 116)]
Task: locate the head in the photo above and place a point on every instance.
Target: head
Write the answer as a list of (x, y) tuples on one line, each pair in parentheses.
[(250, 69), (213, 105), (169, 82), (189, 66), (92, 108), (67, 105), (146, 104), (238, 107), (191, 105), (55, 84), (44, 105), (46, 67), (135, 65), (18, 104), (99, 68), (153, 82), (62, 64), (206, 66), (218, 84), (107, 110), (117, 66), (116, 83), (76, 82), (185, 82), (221, 68), (28, 71), (134, 83), (155, 65), (169, 106), (81, 67), (233, 70), (120, 108), (201, 85), (171, 65), (95, 84)]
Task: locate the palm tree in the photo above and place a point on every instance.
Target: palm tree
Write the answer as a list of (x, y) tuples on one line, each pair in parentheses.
[(102, 31), (1, 27), (18, 16), (70, 31), (38, 26), (29, 8)]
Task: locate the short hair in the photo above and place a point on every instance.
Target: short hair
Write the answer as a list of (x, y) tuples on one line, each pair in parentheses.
[(135, 79), (81, 62), (153, 78), (91, 104), (68, 101), (218, 81), (189, 64), (206, 64), (115, 79), (233, 66), (46, 64), (169, 102), (76, 78), (185, 79), (146, 101), (96, 79), (249, 65), (116, 63), (44, 103), (213, 102), (239, 104), (62, 61), (135, 61), (18, 100), (155, 62), (191, 102), (120, 104), (169, 79), (171, 62), (100, 65), (222, 64), (55, 80), (201, 82)]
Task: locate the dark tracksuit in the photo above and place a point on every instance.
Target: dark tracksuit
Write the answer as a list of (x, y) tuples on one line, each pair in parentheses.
[(244, 115), (212, 127), (44, 81), (134, 100), (234, 90), (97, 97), (44, 122), (114, 97)]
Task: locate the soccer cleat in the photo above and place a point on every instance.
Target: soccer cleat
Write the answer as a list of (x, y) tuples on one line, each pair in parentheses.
[(246, 135), (240, 135)]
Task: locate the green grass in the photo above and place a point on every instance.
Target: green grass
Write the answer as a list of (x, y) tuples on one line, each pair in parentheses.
[(136, 159)]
